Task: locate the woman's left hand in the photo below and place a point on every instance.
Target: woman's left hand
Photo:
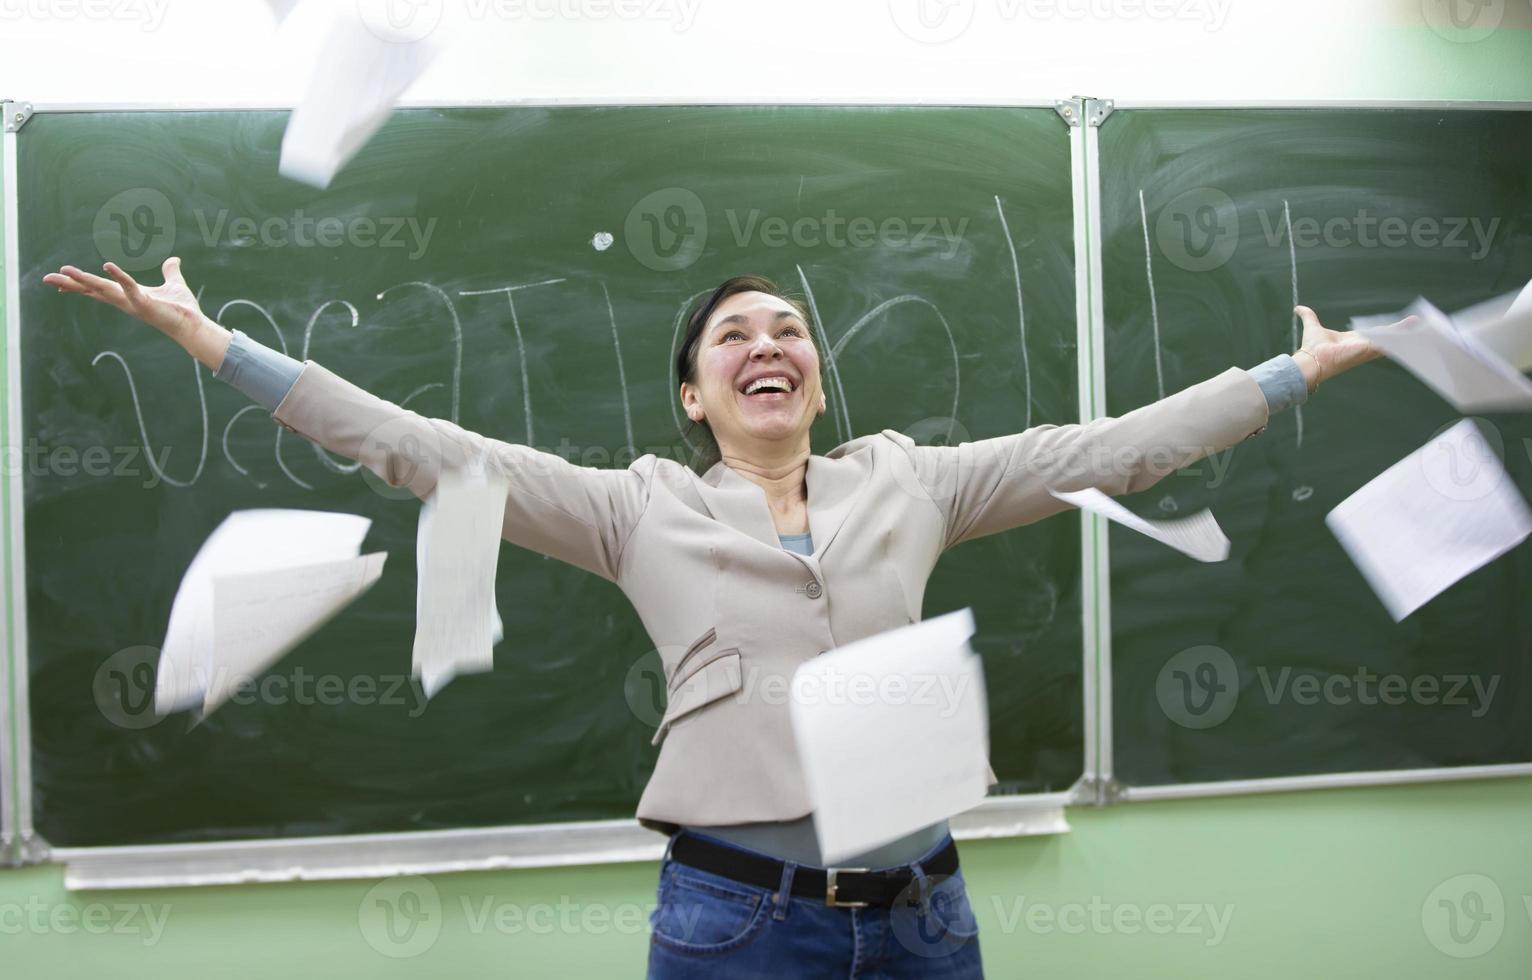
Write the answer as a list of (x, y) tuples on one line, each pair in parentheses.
[(1334, 351)]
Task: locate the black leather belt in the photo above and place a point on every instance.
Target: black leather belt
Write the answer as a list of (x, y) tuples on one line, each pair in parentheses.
[(838, 887)]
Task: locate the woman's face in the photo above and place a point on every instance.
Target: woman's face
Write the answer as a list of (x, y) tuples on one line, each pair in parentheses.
[(751, 336)]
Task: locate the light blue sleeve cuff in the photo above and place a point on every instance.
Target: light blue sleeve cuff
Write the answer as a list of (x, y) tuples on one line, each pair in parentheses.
[(1282, 383), (257, 370)]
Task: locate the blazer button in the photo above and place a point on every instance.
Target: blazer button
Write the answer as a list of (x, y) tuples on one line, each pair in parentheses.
[(813, 590)]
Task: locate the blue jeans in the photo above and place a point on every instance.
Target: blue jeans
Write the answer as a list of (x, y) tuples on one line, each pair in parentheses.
[(707, 925)]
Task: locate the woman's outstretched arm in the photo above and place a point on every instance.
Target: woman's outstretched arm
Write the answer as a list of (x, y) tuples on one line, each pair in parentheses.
[(578, 514), (992, 485)]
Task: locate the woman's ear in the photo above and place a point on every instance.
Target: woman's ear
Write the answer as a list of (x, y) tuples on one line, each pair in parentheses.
[(693, 407)]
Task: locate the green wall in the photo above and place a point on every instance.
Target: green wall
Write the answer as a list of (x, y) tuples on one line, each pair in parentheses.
[(1325, 883)]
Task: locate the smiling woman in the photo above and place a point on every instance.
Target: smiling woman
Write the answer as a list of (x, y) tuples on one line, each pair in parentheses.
[(741, 574)]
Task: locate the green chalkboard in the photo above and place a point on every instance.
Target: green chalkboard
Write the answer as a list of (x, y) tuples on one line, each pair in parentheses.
[(520, 270), (1274, 663)]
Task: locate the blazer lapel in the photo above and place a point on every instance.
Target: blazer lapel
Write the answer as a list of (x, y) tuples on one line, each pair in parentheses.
[(832, 489)]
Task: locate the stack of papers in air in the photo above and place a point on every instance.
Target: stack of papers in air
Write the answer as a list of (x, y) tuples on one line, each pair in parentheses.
[(893, 732), (1472, 358), (261, 583), (1440, 513), (362, 70), (457, 550)]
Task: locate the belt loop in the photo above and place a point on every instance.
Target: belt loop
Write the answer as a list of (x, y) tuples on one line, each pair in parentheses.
[(922, 888), (669, 844), (785, 892)]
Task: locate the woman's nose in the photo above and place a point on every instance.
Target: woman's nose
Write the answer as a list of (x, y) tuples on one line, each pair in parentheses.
[(768, 348)]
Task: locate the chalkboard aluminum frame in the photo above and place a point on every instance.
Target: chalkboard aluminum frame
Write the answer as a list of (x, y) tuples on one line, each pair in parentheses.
[(15, 741), (1111, 790), (623, 840), (466, 849)]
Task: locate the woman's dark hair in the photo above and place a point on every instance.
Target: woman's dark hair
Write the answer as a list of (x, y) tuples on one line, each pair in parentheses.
[(686, 357)]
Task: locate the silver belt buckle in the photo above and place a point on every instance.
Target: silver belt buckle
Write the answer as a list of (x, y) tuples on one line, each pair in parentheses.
[(830, 899)]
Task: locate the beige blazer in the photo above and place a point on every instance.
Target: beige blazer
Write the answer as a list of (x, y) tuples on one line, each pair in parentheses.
[(731, 611)]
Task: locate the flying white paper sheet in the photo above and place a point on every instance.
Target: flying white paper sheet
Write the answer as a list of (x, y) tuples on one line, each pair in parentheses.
[(359, 76), (1440, 513), (259, 616), (457, 552), (893, 733), (248, 541), (1502, 324), (1198, 535), (1471, 363)]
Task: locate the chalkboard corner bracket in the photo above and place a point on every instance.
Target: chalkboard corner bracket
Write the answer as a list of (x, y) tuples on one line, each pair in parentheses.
[(1069, 110), (1096, 791), (1097, 111), (16, 114), (33, 849)]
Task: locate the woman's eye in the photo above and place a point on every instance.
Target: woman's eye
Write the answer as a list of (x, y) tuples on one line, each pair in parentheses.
[(792, 330), (732, 333)]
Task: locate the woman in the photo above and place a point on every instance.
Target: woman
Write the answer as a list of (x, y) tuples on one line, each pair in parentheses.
[(742, 573)]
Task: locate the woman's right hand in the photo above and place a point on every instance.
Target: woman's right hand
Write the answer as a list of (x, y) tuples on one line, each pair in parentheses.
[(170, 308)]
